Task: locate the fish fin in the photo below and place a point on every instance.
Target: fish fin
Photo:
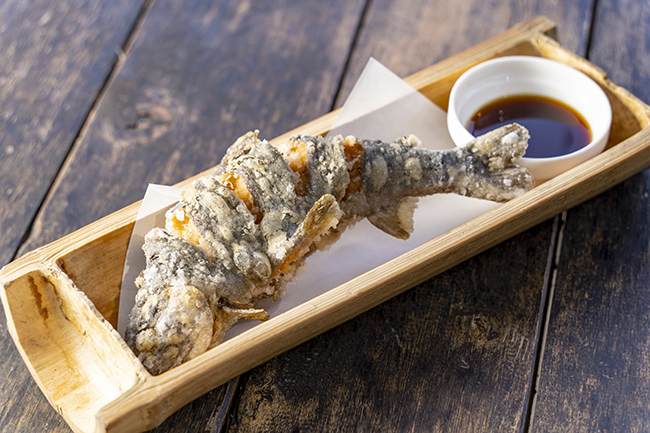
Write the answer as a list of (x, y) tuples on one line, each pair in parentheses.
[(245, 311), (498, 151), (242, 146), (502, 146), (396, 220), (323, 216)]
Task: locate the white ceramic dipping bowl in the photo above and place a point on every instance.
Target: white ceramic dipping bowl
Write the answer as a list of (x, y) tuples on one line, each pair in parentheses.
[(527, 75)]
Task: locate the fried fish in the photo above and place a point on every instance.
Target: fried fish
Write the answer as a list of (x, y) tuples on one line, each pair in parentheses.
[(241, 233)]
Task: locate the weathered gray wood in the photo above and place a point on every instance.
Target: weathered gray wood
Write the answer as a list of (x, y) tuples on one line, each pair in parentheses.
[(409, 35), (595, 369), (452, 354), (595, 373), (457, 352), (199, 74), (56, 57), (444, 344)]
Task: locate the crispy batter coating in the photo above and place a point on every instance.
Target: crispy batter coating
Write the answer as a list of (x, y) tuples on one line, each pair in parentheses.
[(241, 233)]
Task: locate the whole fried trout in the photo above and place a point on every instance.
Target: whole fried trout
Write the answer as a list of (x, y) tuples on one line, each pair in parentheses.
[(241, 233)]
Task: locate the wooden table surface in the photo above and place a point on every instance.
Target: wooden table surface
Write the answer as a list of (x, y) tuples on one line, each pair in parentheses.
[(548, 331)]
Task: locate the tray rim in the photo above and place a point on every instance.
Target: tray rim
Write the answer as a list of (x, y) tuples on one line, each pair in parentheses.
[(151, 400)]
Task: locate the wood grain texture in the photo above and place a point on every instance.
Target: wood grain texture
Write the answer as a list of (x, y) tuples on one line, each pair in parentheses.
[(452, 354), (56, 57), (199, 74), (623, 50), (409, 35), (595, 373), (151, 401), (350, 378), (459, 359), (201, 415)]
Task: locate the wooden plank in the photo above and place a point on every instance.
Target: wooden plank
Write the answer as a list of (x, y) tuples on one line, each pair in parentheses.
[(596, 362), (452, 354), (199, 75), (408, 36), (202, 75), (135, 410), (595, 373), (273, 339), (443, 356), (56, 57)]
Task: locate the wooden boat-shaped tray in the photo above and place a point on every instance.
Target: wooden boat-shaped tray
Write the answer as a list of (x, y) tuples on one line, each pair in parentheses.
[(61, 300)]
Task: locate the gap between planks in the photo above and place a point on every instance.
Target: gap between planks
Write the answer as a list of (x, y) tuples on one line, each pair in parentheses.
[(121, 53), (546, 304), (235, 385), (348, 61), (550, 278)]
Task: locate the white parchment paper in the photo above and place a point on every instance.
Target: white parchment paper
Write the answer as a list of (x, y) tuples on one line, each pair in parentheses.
[(157, 199), (381, 106)]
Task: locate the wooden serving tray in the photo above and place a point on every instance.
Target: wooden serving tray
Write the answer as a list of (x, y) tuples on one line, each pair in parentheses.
[(61, 300)]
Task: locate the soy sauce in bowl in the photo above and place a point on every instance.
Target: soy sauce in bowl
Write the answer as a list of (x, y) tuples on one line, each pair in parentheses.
[(555, 128)]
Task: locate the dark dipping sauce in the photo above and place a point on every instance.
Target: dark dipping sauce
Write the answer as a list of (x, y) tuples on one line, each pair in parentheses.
[(555, 128)]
